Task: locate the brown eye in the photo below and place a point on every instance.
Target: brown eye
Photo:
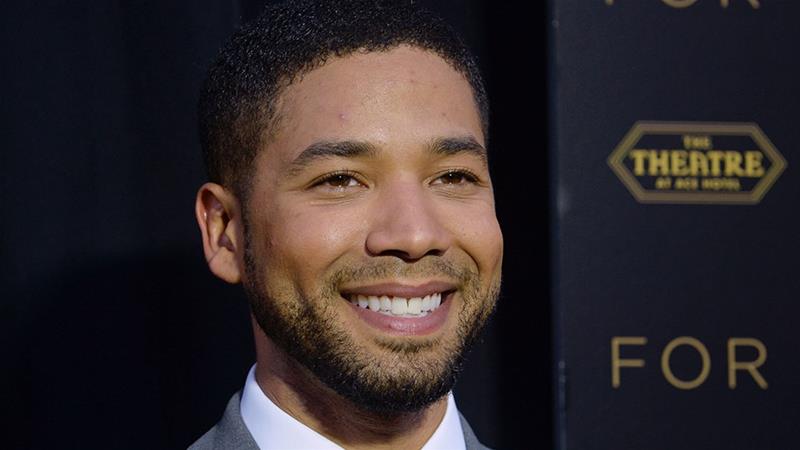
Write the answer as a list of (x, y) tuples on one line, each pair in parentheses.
[(337, 182), (452, 178), (457, 177), (341, 180)]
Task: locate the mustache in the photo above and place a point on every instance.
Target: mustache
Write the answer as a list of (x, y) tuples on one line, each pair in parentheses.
[(458, 273)]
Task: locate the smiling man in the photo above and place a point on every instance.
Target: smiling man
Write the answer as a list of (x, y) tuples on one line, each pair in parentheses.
[(350, 194)]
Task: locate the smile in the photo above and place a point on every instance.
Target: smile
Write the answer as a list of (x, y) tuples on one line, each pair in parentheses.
[(398, 306)]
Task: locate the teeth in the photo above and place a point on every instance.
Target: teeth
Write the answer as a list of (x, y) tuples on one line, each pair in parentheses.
[(374, 303), (426, 303), (414, 306), (398, 306)]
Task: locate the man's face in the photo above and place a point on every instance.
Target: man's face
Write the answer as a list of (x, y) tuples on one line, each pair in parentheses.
[(375, 187)]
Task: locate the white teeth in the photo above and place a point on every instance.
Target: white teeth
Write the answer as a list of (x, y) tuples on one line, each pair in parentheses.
[(374, 303), (426, 303), (414, 306), (398, 306)]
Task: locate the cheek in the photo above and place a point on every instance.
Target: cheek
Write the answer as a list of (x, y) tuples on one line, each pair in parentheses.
[(480, 236), (309, 241)]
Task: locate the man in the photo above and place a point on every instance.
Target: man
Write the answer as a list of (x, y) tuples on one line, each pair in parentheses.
[(350, 195)]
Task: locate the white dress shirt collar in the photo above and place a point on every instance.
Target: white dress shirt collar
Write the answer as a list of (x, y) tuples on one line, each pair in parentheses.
[(273, 429)]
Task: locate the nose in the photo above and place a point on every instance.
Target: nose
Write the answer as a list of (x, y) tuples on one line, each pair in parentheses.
[(407, 224)]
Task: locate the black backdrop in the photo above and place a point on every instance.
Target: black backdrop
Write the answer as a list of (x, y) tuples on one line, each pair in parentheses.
[(114, 333)]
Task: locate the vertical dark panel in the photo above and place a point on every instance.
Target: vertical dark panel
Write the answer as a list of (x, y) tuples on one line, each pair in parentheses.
[(103, 274), (691, 265), (519, 141)]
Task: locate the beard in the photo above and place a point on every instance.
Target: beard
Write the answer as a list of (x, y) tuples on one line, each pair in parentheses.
[(405, 375)]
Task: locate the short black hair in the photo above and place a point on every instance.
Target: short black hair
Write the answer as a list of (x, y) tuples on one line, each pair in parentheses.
[(237, 103)]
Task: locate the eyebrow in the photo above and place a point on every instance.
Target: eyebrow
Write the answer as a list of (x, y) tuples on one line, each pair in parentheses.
[(327, 149), (455, 145), (353, 149)]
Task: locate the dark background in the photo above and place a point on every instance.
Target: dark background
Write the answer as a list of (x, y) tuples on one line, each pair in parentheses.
[(114, 333)]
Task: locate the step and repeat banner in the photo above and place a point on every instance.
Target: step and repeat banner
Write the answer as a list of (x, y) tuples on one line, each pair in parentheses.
[(677, 295)]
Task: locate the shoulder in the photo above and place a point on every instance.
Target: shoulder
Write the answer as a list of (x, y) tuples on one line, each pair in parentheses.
[(229, 433), (471, 441)]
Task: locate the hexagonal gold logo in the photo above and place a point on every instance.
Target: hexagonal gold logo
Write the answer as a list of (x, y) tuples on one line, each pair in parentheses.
[(697, 162)]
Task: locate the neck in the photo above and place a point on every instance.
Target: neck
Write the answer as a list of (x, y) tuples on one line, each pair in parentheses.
[(301, 395)]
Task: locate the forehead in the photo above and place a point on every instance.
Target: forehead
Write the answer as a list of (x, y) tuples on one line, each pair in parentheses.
[(396, 97)]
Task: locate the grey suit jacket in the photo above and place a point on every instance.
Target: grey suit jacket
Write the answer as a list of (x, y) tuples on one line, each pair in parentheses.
[(230, 433)]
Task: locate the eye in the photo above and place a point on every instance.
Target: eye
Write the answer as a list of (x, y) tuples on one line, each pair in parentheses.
[(341, 180), (337, 181), (460, 176)]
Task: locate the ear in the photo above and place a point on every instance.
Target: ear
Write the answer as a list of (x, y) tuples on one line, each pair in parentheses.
[(219, 216)]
